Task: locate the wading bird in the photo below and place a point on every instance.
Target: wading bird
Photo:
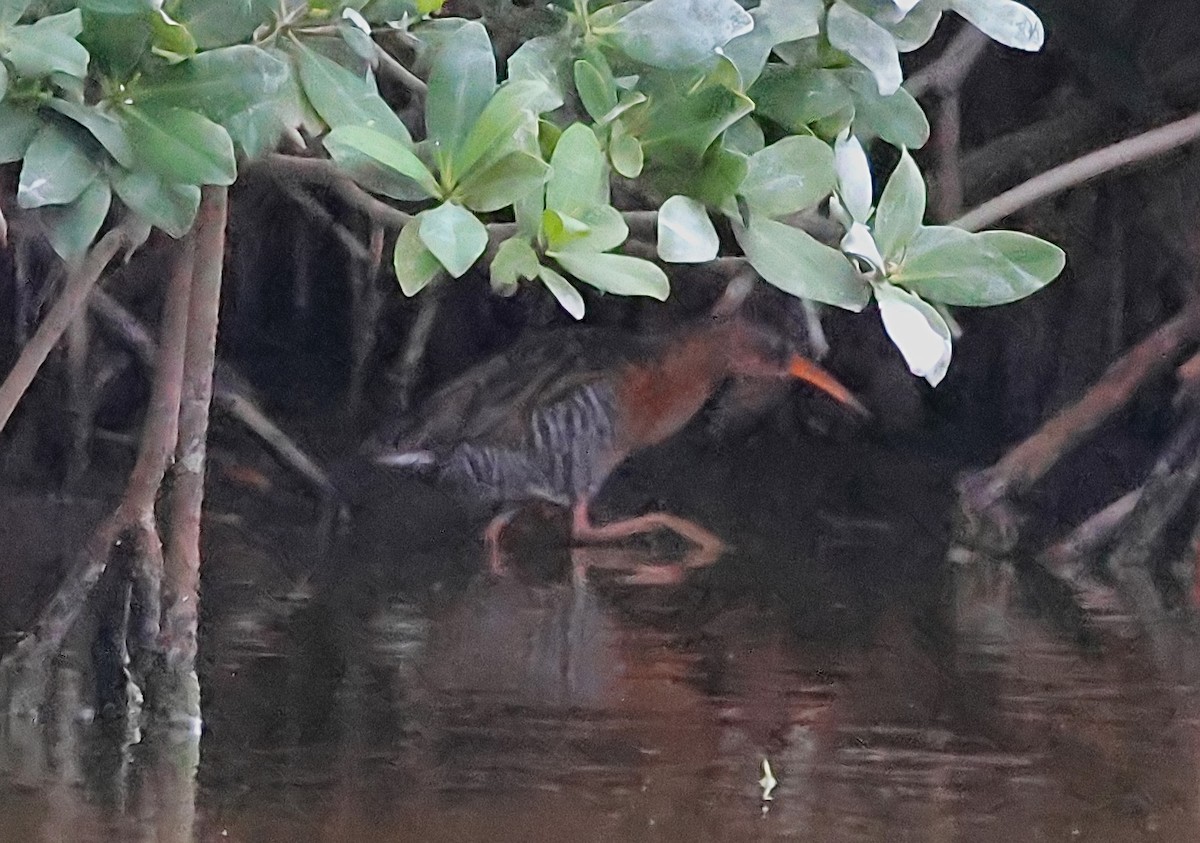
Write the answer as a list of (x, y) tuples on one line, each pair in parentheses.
[(552, 417)]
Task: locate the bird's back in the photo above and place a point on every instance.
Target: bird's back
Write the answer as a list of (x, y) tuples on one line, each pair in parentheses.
[(494, 402), (539, 420)]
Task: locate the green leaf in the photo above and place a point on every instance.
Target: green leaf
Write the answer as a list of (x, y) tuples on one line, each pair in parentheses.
[(48, 46), (675, 34), (216, 23), (625, 152), (415, 265), (117, 43), (775, 21), (385, 150), (681, 129), (172, 40), (715, 182), (1006, 21), (497, 132), (620, 275), (898, 119), (528, 212), (795, 98), (854, 33), (17, 129), (72, 228), (745, 136), (454, 235), (462, 79), (504, 182), (11, 11), (56, 170), (952, 266), (119, 7), (789, 176), (602, 20), (685, 232), (626, 102), (515, 259), (596, 88), (560, 230), (180, 145), (171, 207), (540, 60), (372, 175), (579, 180), (599, 229), (854, 176), (342, 97), (358, 40), (103, 127), (567, 295), (901, 208), (917, 329), (1037, 262), (797, 264), (218, 83), (914, 30)]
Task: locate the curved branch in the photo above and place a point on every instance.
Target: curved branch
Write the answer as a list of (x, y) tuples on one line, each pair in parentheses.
[(1130, 151), (60, 316), (948, 72), (323, 172)]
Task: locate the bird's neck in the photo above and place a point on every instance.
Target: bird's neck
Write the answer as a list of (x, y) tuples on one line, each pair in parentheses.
[(662, 395)]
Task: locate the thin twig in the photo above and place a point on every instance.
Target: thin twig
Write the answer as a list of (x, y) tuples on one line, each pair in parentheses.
[(415, 348), (73, 296), (309, 204), (1122, 154), (948, 140), (389, 64), (950, 69), (227, 394)]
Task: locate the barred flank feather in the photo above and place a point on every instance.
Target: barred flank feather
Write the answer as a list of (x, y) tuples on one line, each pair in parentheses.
[(565, 453)]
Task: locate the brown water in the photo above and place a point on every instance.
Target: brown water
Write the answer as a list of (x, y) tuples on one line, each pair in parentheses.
[(402, 697)]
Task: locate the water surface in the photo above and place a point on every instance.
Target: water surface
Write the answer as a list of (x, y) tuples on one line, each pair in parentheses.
[(398, 695)]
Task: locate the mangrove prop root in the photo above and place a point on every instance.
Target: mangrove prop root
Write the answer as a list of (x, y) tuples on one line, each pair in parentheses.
[(1029, 461), (1171, 484), (24, 670), (178, 689), (1092, 536)]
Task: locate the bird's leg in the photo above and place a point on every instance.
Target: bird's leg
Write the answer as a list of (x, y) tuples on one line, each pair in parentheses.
[(583, 530), (491, 540)]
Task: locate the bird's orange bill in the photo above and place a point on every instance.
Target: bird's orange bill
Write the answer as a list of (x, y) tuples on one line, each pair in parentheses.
[(809, 372)]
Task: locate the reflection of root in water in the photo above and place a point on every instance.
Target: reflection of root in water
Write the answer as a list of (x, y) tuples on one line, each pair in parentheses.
[(637, 566), (79, 779)]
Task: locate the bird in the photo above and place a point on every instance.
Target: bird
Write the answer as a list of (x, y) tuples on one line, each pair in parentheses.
[(552, 417)]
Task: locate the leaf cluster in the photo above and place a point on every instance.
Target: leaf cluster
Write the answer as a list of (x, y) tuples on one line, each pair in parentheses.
[(748, 117)]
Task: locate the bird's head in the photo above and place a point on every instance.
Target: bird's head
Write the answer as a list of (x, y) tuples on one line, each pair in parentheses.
[(759, 351)]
